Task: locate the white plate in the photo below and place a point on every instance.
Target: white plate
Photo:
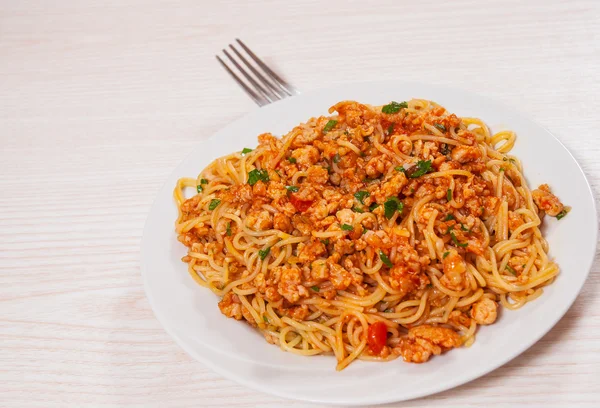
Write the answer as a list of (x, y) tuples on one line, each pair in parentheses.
[(190, 313)]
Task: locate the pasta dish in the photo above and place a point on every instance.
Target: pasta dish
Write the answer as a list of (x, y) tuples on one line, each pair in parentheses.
[(374, 233)]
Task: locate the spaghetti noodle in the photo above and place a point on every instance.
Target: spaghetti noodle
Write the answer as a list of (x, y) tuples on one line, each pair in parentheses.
[(375, 233)]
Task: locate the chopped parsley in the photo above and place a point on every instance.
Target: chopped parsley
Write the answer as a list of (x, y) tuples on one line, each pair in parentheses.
[(203, 181), (257, 175), (449, 217), (292, 159), (264, 252), (511, 270), (449, 195), (228, 232), (392, 205), (358, 210), (455, 240), (561, 214), (360, 196), (385, 259), (266, 319), (336, 158), (246, 150), (315, 288), (445, 254), (462, 227), (214, 204), (440, 127), (330, 125), (502, 169), (421, 168), (325, 241), (347, 227), (394, 107), (199, 188), (390, 129), (292, 189), (373, 206), (400, 169)]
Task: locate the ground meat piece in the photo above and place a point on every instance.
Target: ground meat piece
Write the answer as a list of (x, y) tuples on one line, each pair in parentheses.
[(546, 201), (319, 270), (308, 252), (317, 174), (259, 220), (514, 221), (237, 194), (290, 284), (484, 311), (339, 277), (306, 156), (282, 222), (297, 312), (276, 190), (231, 306), (302, 224), (465, 154), (454, 271), (425, 340)]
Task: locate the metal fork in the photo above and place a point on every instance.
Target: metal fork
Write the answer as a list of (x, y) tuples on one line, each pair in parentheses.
[(264, 86)]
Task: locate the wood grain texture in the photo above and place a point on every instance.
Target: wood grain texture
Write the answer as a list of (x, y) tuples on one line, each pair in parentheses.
[(99, 101)]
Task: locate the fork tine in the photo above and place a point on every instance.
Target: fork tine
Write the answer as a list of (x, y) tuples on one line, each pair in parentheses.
[(272, 89), (256, 85), (260, 101), (290, 90)]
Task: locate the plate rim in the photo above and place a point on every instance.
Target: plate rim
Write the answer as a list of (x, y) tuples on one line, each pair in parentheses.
[(453, 382)]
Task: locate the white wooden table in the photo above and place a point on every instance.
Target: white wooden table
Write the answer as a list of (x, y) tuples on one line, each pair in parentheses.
[(99, 101)]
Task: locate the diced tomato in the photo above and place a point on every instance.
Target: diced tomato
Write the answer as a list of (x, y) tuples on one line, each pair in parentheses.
[(377, 337), (301, 205)]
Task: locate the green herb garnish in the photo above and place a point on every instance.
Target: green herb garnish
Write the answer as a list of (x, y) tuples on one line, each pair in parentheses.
[(421, 168), (266, 320), (360, 196), (358, 210), (292, 189), (347, 227), (455, 240), (440, 126), (390, 129), (392, 205), (511, 270), (264, 252), (336, 158), (449, 217), (373, 206), (394, 107), (214, 204), (292, 159), (257, 175), (561, 214), (445, 254), (400, 169), (199, 188), (203, 181), (325, 241), (246, 150), (462, 227), (228, 232), (315, 288), (330, 125), (449, 195), (385, 259)]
